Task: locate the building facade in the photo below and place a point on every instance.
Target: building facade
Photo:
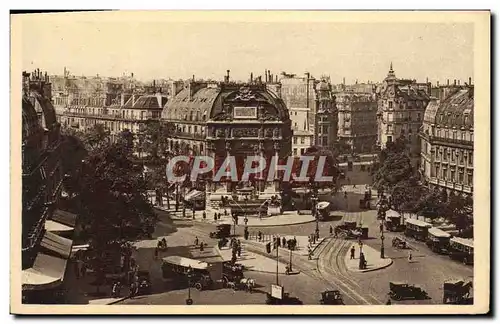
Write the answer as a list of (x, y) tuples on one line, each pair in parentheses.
[(46, 234), (400, 112), (447, 137), (326, 117), (230, 119), (357, 118)]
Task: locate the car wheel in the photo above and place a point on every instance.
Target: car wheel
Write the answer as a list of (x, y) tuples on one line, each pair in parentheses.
[(198, 286), (398, 297)]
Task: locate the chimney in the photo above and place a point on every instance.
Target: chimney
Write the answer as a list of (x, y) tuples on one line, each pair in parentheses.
[(458, 81), (251, 77), (270, 76), (427, 80), (470, 80), (276, 79), (448, 82), (265, 74), (132, 75), (437, 83), (343, 80), (455, 82), (227, 71), (193, 77)]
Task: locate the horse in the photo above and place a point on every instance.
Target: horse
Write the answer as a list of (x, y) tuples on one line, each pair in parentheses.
[(248, 284), (231, 285)]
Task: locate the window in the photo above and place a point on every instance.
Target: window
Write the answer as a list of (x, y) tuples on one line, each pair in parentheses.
[(445, 173), (390, 104), (470, 181), (295, 125), (302, 140), (438, 133), (471, 158), (390, 117), (389, 128), (472, 137), (463, 136), (302, 151), (437, 171), (389, 139), (418, 116), (461, 176), (446, 134), (454, 135), (409, 138), (452, 155), (409, 130), (445, 154), (295, 140), (452, 175), (294, 151)]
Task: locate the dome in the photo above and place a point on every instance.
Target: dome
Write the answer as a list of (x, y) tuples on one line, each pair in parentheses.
[(323, 86)]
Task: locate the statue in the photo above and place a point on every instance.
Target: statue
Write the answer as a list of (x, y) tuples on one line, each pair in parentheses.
[(276, 132), (269, 132)]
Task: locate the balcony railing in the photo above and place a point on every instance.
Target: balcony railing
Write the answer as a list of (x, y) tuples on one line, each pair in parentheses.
[(451, 185), (187, 135)]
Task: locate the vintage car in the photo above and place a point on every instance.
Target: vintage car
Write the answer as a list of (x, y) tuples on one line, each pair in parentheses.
[(221, 231), (399, 243), (350, 230), (403, 290), (144, 283), (457, 292), (331, 297), (286, 300)]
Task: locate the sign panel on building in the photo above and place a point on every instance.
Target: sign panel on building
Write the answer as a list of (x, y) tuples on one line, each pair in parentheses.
[(245, 112)]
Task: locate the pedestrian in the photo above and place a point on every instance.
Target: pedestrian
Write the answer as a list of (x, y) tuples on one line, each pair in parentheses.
[(196, 241), (389, 302), (193, 213), (155, 257), (284, 241), (381, 227), (239, 250), (331, 230), (202, 247), (215, 217), (204, 215), (260, 236), (353, 251), (278, 241), (246, 220), (225, 212), (410, 257)]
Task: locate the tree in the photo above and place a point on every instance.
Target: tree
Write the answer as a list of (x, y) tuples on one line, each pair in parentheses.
[(330, 168), (126, 140), (115, 207), (73, 152), (430, 204), (96, 137), (155, 137), (394, 166), (460, 211), (406, 194)]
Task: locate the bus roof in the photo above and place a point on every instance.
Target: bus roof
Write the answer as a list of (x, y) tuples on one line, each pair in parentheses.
[(186, 262), (418, 222), (438, 233), (463, 241), (392, 213)]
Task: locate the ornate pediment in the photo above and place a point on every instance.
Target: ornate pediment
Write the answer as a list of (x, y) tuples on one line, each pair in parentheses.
[(245, 94)]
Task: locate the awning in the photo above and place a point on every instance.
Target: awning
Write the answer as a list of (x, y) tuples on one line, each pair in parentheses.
[(195, 194), (64, 217), (51, 226), (47, 272), (57, 244)]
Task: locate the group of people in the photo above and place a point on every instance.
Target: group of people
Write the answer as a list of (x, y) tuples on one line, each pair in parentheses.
[(160, 246)]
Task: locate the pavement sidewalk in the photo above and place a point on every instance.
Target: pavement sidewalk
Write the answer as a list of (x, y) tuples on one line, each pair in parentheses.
[(302, 242), (287, 218), (372, 257)]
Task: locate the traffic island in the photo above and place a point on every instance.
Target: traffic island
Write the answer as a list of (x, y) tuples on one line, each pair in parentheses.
[(372, 257), (253, 261)]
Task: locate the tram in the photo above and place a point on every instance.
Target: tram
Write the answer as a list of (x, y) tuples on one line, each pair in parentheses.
[(417, 229), (438, 240), (462, 249)]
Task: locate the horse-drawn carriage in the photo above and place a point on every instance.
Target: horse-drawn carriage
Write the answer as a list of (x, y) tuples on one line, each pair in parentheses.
[(350, 230), (457, 292), (399, 243), (331, 297), (403, 290), (222, 231), (232, 276)]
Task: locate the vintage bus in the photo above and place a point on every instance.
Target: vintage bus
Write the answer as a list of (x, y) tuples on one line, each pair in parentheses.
[(393, 221), (417, 229), (181, 271), (462, 249), (438, 240)]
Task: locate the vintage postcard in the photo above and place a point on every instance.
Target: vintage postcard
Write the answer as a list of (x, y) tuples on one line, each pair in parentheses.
[(241, 162)]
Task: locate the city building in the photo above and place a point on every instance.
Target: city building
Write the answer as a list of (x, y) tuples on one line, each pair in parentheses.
[(400, 112), (447, 136), (219, 119), (326, 117), (357, 116), (46, 231)]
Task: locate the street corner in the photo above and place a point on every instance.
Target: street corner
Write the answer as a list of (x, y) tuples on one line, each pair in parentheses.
[(372, 258)]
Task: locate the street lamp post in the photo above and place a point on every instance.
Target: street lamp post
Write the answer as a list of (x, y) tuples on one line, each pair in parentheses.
[(382, 252), (189, 301)]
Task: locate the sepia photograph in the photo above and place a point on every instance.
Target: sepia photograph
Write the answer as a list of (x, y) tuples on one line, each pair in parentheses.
[(230, 162)]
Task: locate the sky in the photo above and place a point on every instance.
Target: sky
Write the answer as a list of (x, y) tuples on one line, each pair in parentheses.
[(175, 49)]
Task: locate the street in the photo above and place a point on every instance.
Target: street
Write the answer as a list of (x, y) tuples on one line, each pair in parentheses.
[(325, 271)]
